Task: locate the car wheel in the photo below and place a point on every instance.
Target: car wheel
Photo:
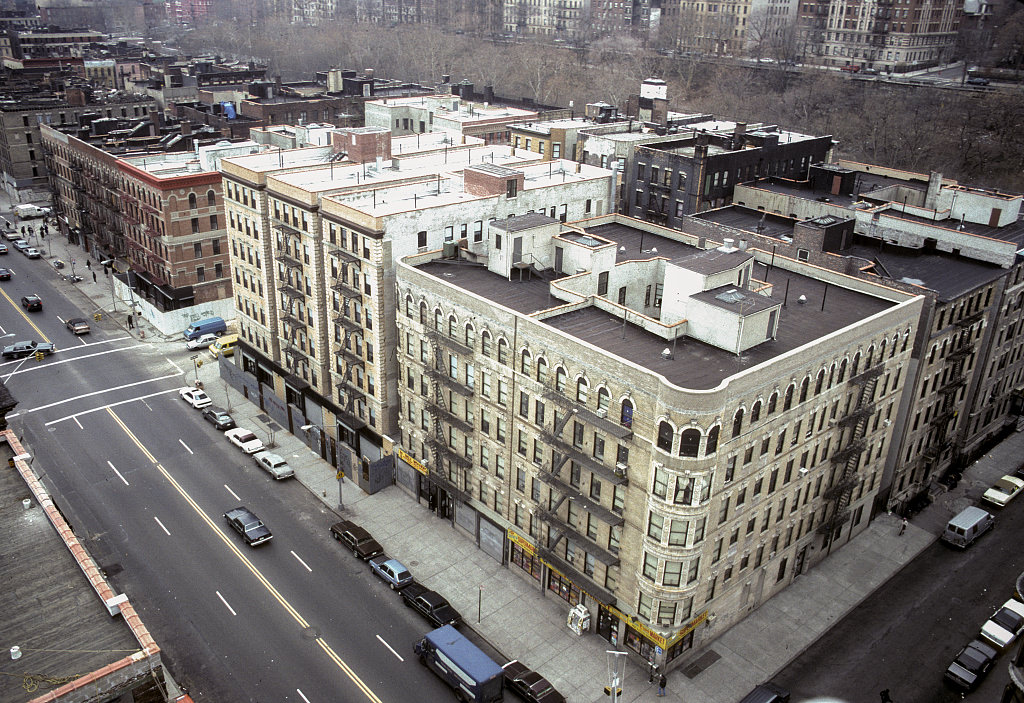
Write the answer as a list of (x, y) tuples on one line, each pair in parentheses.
[(337, 537), (355, 553), (392, 586)]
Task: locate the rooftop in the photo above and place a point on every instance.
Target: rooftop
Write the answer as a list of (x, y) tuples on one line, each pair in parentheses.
[(50, 609), (694, 365), (749, 220), (441, 106)]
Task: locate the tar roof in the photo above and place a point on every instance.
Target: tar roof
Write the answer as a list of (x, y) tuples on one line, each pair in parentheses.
[(50, 610), (754, 221), (695, 365)]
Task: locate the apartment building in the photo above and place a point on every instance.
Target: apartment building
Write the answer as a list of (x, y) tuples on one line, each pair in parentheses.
[(314, 235), (445, 113), (574, 19), (886, 35), (25, 106), (955, 245), (122, 192), (662, 428), (697, 168)]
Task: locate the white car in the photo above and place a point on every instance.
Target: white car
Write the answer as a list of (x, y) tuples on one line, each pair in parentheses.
[(245, 440), (1003, 491), (195, 397), (1003, 627), (32, 253), (200, 342), (274, 464)]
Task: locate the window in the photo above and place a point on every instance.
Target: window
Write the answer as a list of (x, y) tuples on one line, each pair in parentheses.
[(511, 188), (582, 389), (689, 443), (421, 239), (773, 402), (665, 434), (755, 412), (655, 526)]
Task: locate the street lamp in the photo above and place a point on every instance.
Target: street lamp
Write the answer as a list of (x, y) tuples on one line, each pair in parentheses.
[(195, 363), (341, 472)]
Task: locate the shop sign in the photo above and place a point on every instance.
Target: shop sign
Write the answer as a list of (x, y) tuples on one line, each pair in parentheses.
[(411, 461), (514, 536), (655, 638)]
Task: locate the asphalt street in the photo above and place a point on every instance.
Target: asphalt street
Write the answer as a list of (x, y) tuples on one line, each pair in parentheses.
[(144, 481)]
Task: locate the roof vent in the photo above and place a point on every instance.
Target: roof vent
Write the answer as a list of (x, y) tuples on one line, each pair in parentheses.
[(802, 300), (731, 296), (666, 353), (728, 246)]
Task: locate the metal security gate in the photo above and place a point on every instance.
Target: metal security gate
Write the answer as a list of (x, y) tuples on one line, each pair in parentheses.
[(492, 540)]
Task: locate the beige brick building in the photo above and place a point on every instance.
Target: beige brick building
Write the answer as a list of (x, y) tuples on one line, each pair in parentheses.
[(661, 428)]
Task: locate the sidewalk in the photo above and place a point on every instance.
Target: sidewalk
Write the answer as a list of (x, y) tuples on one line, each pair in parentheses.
[(523, 622)]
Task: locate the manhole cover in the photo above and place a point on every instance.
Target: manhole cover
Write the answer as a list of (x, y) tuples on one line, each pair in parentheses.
[(310, 633)]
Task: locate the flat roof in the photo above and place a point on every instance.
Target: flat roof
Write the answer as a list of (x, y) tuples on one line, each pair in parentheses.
[(948, 275), (468, 110), (743, 218), (50, 609), (695, 365)]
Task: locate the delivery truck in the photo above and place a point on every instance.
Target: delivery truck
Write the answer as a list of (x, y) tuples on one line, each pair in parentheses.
[(462, 665), (27, 212)]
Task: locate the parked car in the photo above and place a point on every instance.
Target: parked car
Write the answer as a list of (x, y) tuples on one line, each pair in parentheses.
[(20, 244), (5, 274), (977, 80), (850, 69), (20, 349), (274, 464), (77, 325), (392, 571), (3, 248), (431, 605), (869, 71), (970, 665), (195, 397), (32, 253), (362, 544), (250, 527), (1005, 624), (32, 303), (218, 417), (245, 440), (1003, 491), (530, 685), (201, 342)]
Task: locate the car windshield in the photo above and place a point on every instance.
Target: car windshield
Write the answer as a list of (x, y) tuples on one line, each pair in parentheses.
[(1008, 619), (246, 437)]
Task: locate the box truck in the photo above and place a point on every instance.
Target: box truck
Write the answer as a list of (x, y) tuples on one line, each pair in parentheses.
[(472, 674)]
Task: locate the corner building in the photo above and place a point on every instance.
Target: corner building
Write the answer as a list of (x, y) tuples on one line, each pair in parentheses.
[(662, 428)]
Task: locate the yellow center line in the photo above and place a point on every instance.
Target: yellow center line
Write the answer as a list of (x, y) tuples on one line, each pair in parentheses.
[(230, 544), (29, 321)]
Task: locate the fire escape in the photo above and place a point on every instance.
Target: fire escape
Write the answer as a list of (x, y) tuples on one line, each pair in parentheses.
[(291, 296), (657, 201), (856, 420), (569, 450), (878, 29), (348, 288), (441, 382)]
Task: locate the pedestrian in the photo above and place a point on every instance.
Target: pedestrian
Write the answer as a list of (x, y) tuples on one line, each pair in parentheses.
[(93, 276), (88, 264), (903, 527), (131, 321), (662, 682), (884, 695)]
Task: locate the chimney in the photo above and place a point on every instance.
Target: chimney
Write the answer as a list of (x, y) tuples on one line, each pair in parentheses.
[(186, 128), (934, 185)]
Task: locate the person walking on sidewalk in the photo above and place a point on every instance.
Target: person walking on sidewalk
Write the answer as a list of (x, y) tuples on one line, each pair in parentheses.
[(93, 276), (662, 682), (131, 321), (903, 527)]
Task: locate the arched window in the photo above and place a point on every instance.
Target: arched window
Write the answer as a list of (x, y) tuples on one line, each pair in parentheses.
[(542, 369), (485, 343), (470, 336), (560, 378), (408, 306), (819, 382), (453, 326), (526, 363), (626, 415), (211, 198), (856, 365), (192, 201), (737, 423), (665, 436), (604, 399), (438, 320), (881, 350), (831, 374), (869, 357), (755, 411), (689, 442), (503, 351), (712, 443), (773, 401), (423, 313), (892, 347), (803, 388), (788, 402), (582, 390), (906, 340)]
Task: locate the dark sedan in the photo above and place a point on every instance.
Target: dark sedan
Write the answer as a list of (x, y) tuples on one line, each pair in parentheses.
[(219, 417), (971, 665), (431, 605), (530, 685), (362, 544), (5, 274), (32, 303)]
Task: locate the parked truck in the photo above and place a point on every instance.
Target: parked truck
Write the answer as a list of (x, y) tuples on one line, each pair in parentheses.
[(458, 662), (26, 212)]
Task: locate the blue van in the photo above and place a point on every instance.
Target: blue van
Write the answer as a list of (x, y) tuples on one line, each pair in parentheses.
[(211, 325), (459, 663)]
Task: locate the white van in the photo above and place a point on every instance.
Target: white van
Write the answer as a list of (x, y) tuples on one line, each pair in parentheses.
[(27, 212), (968, 526)]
